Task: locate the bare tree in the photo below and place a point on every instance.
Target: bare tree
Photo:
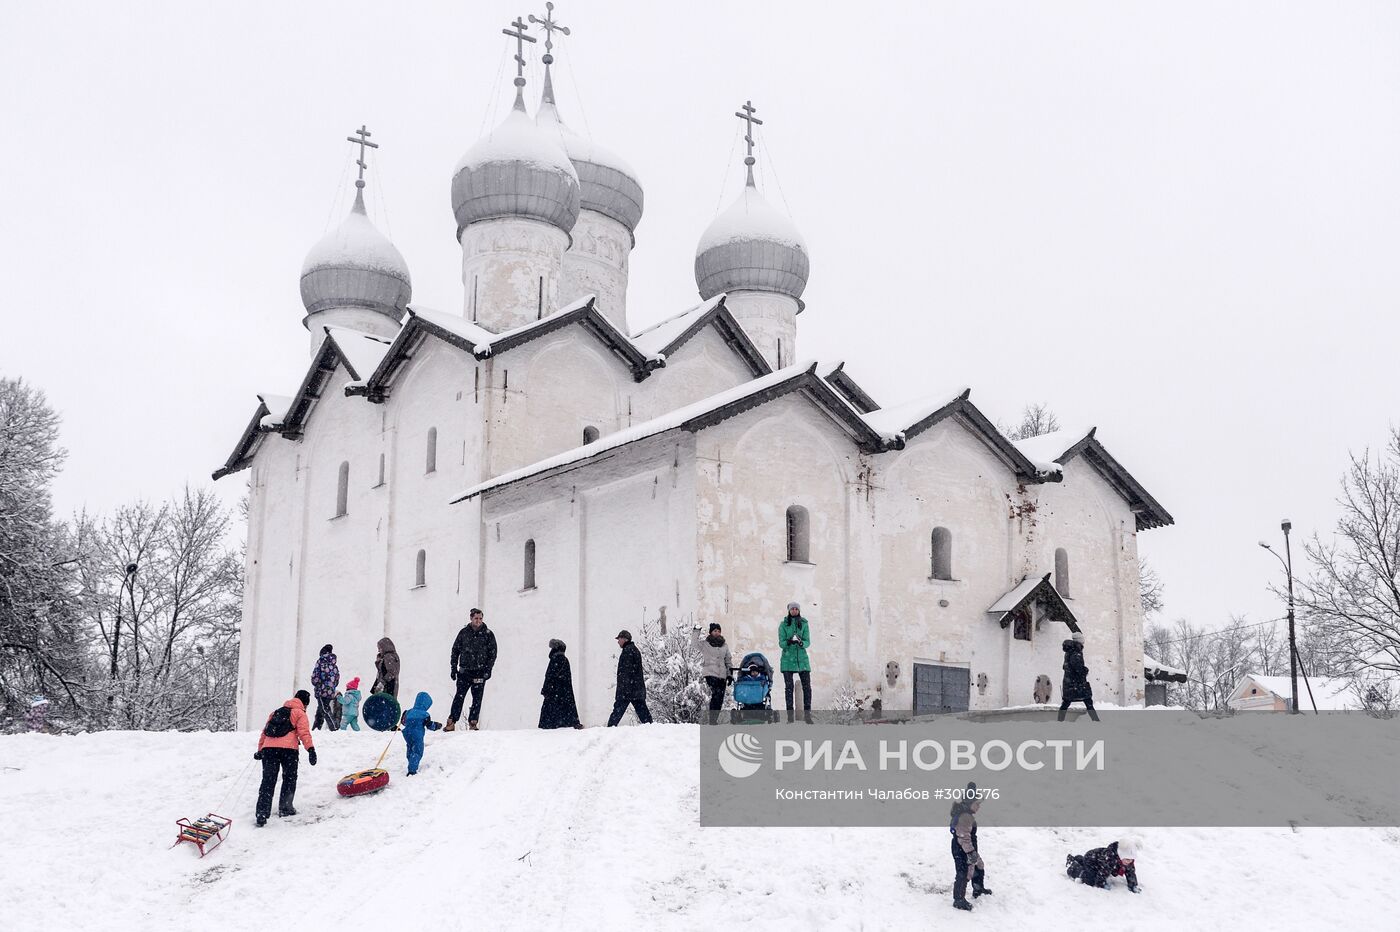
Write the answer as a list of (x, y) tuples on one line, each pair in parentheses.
[(1036, 419), (1351, 599), (1150, 589)]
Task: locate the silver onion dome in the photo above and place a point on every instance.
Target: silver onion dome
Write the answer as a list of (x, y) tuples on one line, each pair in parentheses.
[(751, 247), (518, 170), (607, 184), (355, 265)]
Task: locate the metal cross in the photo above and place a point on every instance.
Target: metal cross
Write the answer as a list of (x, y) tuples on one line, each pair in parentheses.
[(518, 34), (746, 113), (550, 27), (363, 142)]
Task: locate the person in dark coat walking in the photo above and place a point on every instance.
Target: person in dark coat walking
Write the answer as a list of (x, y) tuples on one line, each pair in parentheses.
[(558, 709), (277, 749), (1095, 867), (1075, 687), (967, 862), (386, 669), (631, 682), (325, 677), (473, 657)]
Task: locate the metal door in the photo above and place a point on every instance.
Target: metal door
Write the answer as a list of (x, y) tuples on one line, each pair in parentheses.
[(939, 688)]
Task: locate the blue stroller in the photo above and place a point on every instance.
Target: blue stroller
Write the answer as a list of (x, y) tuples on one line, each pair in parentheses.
[(753, 690)]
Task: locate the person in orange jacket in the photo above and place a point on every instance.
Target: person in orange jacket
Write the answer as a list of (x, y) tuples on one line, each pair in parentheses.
[(277, 749)]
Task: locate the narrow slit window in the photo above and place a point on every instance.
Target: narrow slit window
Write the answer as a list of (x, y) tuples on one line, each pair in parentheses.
[(942, 540), (1062, 571), (381, 471), (539, 314), (798, 535), (431, 465), (420, 569), (590, 434), (342, 490), (529, 565)]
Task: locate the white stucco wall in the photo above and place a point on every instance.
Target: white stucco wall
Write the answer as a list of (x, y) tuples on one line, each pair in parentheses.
[(770, 320), (511, 271), (596, 264)]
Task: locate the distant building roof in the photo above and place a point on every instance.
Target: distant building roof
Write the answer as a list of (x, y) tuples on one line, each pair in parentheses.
[(1328, 693)]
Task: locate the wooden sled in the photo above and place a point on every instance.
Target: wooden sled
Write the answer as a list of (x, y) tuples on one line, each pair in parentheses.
[(206, 833)]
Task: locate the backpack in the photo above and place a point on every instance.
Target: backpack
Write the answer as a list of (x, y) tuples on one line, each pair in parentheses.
[(279, 723)]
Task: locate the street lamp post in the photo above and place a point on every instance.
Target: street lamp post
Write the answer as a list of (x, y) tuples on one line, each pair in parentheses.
[(1292, 635)]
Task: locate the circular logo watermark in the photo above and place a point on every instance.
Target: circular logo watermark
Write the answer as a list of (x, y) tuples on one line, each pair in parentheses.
[(740, 755)]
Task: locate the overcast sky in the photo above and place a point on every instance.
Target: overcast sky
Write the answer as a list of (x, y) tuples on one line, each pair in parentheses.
[(1175, 221)]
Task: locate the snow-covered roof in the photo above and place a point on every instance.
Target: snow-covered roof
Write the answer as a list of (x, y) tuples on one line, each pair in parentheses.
[(690, 417), (1329, 693), (1156, 670), (1046, 449), (517, 170), (1034, 589), (841, 380), (893, 421), (658, 337), (455, 324), (751, 247), (277, 407), (361, 352)]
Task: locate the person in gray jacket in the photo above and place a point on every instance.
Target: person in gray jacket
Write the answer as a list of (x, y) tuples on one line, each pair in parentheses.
[(715, 665)]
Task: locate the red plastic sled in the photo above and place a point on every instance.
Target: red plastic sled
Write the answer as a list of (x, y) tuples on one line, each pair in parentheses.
[(365, 781)]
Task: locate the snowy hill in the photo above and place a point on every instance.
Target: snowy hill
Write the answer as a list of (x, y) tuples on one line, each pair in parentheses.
[(593, 829)]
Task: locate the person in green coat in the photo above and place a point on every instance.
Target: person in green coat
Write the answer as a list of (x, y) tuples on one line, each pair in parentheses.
[(794, 637)]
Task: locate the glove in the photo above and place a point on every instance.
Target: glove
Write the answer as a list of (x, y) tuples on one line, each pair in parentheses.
[(453, 674), (311, 756), (729, 681), (257, 755)]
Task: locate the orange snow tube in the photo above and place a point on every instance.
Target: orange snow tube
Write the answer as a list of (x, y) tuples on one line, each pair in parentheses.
[(365, 781)]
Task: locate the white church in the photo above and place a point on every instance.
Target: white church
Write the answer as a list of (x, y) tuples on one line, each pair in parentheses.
[(537, 457)]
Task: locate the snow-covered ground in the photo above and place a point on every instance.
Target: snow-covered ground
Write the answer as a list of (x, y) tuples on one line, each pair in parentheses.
[(593, 829)]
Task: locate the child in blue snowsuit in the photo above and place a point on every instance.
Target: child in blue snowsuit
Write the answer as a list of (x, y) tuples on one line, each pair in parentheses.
[(414, 721), (350, 705)]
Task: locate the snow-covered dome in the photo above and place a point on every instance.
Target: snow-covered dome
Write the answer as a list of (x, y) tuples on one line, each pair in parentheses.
[(607, 184), (751, 247), (518, 170), (355, 265)]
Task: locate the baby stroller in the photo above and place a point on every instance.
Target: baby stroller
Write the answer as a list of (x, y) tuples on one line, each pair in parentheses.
[(753, 690)]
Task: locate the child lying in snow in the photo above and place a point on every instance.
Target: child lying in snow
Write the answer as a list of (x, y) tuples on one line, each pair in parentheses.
[(414, 721), (1095, 867)]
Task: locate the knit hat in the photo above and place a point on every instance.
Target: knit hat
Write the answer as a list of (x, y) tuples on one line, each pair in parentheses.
[(1127, 849), (624, 633), (555, 644), (1077, 637), (353, 684), (304, 696), (714, 626), (326, 650), (792, 605)]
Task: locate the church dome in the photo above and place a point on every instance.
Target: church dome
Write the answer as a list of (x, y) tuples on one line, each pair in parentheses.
[(518, 170), (751, 247), (355, 265), (607, 184)]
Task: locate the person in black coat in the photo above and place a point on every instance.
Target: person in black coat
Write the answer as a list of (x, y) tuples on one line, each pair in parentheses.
[(473, 656), (1095, 867), (1075, 686), (558, 709), (631, 682)]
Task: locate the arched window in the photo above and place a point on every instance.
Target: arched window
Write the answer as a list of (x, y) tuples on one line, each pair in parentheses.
[(1062, 572), (590, 434), (420, 569), (799, 536), (432, 450), (529, 565), (342, 490), (942, 553), (381, 471)]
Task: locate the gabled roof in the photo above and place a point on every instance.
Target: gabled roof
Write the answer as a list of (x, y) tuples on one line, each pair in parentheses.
[(698, 416), (661, 340), (1031, 590), (1326, 693), (904, 422), (847, 386), (1157, 672), (1070, 444), (286, 414)]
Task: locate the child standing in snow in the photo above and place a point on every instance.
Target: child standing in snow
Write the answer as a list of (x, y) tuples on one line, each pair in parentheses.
[(415, 720), (350, 704), (967, 862), (1094, 868)]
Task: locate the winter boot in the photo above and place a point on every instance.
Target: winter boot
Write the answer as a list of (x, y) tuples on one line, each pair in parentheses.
[(962, 904), (981, 891), (473, 726), (286, 812), (262, 820), (451, 725)]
